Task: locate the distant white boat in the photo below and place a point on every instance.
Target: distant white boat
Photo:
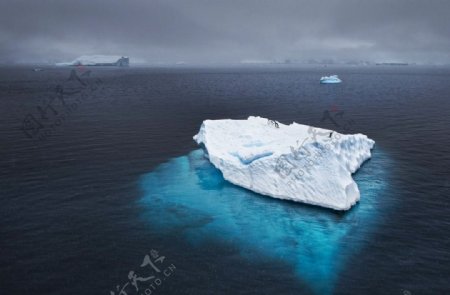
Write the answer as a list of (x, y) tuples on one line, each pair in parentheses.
[(333, 79)]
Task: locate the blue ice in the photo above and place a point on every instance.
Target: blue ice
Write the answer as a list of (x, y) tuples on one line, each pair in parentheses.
[(191, 196)]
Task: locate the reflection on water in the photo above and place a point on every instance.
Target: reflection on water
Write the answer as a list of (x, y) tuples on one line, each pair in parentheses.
[(189, 196)]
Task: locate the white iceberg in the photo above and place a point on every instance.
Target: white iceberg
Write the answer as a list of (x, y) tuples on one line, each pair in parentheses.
[(333, 79), (98, 60), (293, 162)]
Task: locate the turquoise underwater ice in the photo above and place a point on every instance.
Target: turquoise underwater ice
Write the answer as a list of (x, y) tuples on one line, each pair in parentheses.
[(190, 196)]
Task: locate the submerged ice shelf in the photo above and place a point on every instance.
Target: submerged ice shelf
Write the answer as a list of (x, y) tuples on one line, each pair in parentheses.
[(294, 162), (188, 198)]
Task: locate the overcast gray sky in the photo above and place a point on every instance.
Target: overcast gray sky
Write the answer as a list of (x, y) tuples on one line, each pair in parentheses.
[(203, 31)]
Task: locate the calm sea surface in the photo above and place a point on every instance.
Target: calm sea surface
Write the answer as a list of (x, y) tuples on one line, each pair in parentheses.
[(102, 188)]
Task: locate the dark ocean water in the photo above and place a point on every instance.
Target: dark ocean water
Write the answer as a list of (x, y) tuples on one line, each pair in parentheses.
[(106, 171)]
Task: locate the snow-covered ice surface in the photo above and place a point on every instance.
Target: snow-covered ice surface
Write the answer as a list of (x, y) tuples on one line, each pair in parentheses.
[(333, 79), (293, 162), (91, 60)]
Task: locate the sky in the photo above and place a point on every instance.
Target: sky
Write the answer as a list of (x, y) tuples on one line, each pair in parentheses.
[(226, 31)]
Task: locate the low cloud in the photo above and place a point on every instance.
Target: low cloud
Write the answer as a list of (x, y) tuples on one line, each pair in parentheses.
[(202, 31)]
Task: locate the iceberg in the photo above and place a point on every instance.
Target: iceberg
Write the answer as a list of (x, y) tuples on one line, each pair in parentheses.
[(293, 162), (98, 60), (333, 79)]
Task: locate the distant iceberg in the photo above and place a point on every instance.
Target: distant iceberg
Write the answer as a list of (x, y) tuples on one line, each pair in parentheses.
[(98, 60), (293, 162), (333, 79)]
